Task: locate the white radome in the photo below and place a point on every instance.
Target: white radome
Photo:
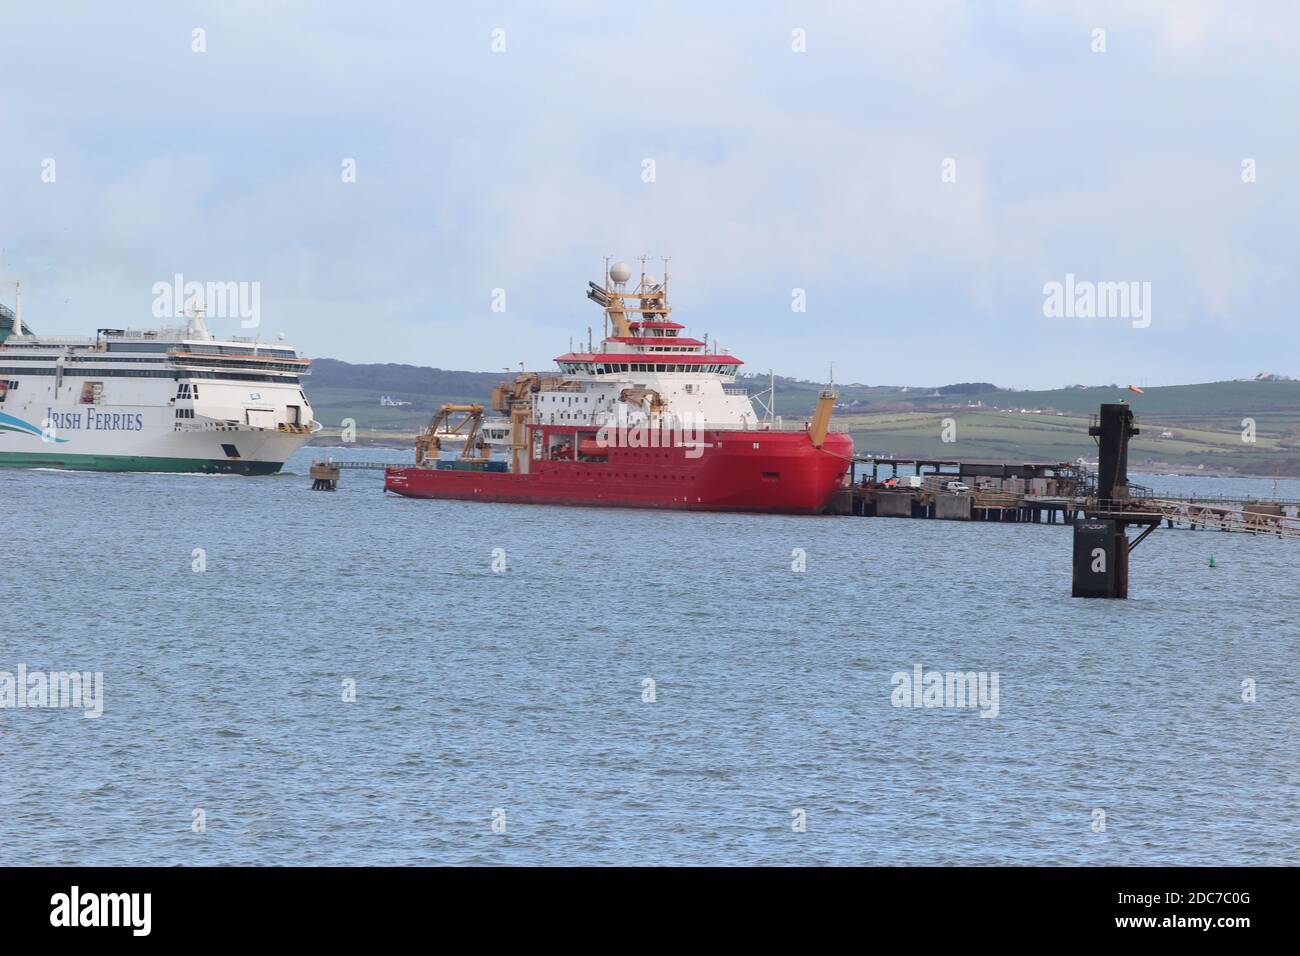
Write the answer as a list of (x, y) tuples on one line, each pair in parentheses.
[(620, 272)]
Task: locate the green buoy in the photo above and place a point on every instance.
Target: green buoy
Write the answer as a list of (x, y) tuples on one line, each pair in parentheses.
[(1212, 564)]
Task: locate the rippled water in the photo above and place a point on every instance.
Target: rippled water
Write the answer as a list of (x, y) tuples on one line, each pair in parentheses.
[(521, 691)]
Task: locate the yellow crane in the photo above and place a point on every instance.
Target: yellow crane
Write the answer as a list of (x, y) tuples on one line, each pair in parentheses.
[(452, 421)]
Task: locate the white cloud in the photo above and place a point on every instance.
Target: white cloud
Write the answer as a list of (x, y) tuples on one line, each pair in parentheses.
[(775, 169)]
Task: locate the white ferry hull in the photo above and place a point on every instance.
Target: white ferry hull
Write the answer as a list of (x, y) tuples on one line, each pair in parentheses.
[(169, 401), (150, 443)]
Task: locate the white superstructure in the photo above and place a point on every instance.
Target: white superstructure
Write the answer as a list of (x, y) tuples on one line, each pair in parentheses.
[(645, 370), (177, 399)]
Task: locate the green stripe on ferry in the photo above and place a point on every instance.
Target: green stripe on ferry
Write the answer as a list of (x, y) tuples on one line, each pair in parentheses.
[(209, 466)]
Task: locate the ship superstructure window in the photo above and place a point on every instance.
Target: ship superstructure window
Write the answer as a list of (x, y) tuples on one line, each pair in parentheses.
[(139, 346), (154, 373), (614, 368)]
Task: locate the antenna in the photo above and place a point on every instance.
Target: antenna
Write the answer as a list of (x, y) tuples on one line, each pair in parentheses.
[(604, 332)]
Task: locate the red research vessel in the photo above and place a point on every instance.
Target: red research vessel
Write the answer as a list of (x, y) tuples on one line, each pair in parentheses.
[(651, 419)]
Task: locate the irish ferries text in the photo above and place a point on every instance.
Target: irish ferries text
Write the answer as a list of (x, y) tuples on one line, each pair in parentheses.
[(90, 419)]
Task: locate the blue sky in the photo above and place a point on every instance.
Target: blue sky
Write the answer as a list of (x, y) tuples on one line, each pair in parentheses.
[(774, 170)]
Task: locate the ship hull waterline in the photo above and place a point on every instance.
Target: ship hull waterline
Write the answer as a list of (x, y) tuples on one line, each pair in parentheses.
[(744, 471), (258, 452), (141, 463)]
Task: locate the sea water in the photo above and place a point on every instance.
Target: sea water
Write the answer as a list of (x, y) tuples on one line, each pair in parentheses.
[(300, 677)]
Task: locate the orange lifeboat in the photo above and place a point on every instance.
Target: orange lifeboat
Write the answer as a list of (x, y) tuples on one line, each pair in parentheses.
[(591, 448)]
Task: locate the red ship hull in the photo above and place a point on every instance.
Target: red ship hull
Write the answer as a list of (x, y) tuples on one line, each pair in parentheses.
[(762, 471)]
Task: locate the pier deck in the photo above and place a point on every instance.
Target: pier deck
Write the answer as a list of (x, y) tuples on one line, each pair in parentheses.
[(1046, 493)]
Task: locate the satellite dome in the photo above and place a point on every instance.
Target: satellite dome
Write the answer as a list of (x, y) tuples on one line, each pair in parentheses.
[(620, 272)]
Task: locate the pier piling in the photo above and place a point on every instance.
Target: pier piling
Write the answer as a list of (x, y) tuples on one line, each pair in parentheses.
[(324, 476)]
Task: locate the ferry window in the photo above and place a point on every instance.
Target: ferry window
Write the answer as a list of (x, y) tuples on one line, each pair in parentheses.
[(92, 393), (4, 390)]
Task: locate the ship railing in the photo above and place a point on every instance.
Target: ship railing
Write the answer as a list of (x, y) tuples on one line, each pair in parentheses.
[(231, 426), (801, 425), (181, 333), (211, 426), (37, 341), (671, 423)]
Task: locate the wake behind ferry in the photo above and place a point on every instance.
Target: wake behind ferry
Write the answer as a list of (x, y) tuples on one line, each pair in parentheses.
[(171, 400), (650, 419)]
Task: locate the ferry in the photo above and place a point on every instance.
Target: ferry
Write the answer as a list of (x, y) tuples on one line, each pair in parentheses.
[(168, 400), (650, 418)]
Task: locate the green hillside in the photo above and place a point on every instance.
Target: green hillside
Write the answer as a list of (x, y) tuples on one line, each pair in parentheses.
[(1184, 427)]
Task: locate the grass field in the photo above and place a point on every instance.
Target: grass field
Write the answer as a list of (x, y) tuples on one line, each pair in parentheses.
[(1012, 436)]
